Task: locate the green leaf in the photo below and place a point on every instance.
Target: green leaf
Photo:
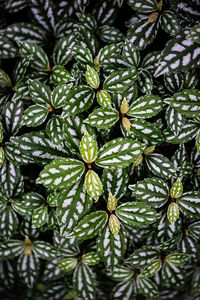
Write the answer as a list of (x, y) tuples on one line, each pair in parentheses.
[(91, 225), (84, 282), (130, 54), (92, 77), (67, 264), (147, 131), (160, 165), (9, 223), (173, 212), (143, 5), (25, 32), (88, 148), (154, 191), (61, 173), (111, 248), (64, 48), (120, 80), (44, 250), (186, 102), (152, 268), (174, 81), (120, 152), (143, 256), (87, 20), (146, 286), (174, 276), (111, 35), (5, 81), (20, 69), (194, 34), (188, 132), (28, 269), (103, 117), (114, 224), (196, 283), (142, 33), (39, 60), (79, 99), (136, 214), (145, 107), (104, 98), (54, 130), (12, 116), (177, 259), (58, 96), (179, 55), (83, 56), (60, 75), (115, 182), (11, 248), (93, 185), (125, 290), (1, 157), (39, 217), (73, 204), (33, 200), (145, 81), (170, 23), (112, 202), (177, 189), (10, 176), (175, 120), (33, 147), (91, 258), (40, 92), (7, 48), (119, 273), (35, 115), (150, 61), (109, 55), (189, 204)]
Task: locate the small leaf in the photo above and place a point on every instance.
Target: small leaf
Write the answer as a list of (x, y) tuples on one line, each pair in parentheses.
[(173, 212), (35, 115), (177, 189), (92, 77), (112, 202), (114, 224), (93, 185), (60, 75), (104, 98), (177, 259), (88, 148), (91, 258), (67, 264), (147, 287), (39, 217)]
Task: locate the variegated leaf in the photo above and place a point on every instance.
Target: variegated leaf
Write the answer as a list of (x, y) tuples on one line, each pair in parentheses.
[(103, 118), (93, 185), (88, 148)]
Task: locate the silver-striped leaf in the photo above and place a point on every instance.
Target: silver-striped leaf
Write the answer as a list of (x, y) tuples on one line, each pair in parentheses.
[(119, 153), (103, 118), (28, 269), (61, 173)]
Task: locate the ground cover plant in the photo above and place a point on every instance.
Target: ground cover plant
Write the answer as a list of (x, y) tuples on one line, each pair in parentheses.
[(99, 149)]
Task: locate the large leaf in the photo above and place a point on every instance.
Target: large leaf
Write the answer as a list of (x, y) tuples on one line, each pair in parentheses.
[(147, 287), (90, 225), (145, 107), (103, 118), (111, 248), (12, 116), (160, 165), (73, 204), (153, 191), (11, 248), (44, 250), (63, 49), (40, 92), (79, 99), (143, 5), (61, 173), (84, 282), (179, 55), (186, 102), (136, 214), (119, 153), (189, 204), (120, 80), (9, 223), (125, 290), (28, 269), (33, 147), (35, 115)]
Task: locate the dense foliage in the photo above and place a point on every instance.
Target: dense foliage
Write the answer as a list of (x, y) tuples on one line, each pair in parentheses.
[(99, 149)]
